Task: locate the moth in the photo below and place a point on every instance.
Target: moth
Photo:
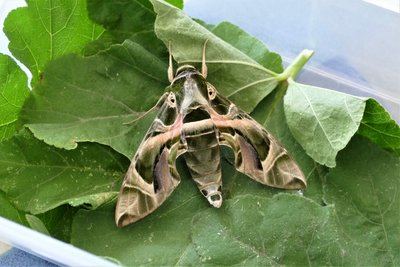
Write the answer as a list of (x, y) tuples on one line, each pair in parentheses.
[(194, 120)]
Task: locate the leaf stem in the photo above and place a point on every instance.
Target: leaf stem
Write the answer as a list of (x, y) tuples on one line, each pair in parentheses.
[(295, 67)]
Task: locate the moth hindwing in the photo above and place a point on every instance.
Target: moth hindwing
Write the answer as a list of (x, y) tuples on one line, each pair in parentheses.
[(193, 121)]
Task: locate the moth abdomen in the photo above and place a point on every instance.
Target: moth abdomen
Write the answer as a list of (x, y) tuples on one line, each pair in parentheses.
[(203, 159)]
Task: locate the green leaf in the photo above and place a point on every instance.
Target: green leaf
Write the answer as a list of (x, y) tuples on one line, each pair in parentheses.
[(231, 71), (45, 30), (257, 231), (322, 121), (58, 221), (36, 224), (364, 187), (177, 3), (13, 91), (38, 178), (379, 127), (102, 43), (248, 229), (104, 91), (7, 210), (122, 17), (126, 19)]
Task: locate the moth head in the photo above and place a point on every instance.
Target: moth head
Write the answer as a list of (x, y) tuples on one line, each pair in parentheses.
[(191, 90)]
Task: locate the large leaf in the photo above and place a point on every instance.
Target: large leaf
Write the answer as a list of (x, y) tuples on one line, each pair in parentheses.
[(45, 30), (256, 231), (13, 91), (379, 127), (37, 177), (322, 121), (231, 71), (364, 187), (102, 92), (248, 230)]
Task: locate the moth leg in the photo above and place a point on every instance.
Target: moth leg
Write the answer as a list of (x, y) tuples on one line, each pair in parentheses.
[(157, 105)]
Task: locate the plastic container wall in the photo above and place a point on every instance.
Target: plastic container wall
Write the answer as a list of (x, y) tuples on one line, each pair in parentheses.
[(356, 44), (47, 247)]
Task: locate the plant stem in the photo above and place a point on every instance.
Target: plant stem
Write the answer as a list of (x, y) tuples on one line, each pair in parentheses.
[(295, 67)]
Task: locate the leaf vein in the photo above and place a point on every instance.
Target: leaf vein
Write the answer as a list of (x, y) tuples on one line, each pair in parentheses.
[(316, 117)]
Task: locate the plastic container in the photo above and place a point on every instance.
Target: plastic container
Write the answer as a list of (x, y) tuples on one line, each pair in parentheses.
[(46, 247), (357, 52), (356, 43)]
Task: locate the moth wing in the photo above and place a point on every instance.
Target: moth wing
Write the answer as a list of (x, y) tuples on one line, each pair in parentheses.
[(257, 153), (151, 177)]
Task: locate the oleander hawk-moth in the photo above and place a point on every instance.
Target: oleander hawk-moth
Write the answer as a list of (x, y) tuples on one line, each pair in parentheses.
[(194, 120)]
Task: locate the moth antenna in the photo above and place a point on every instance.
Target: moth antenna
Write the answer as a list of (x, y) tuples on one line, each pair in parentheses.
[(157, 105), (204, 69), (170, 67)]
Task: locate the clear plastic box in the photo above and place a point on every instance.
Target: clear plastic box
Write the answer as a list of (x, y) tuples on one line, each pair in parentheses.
[(357, 51), (356, 43)]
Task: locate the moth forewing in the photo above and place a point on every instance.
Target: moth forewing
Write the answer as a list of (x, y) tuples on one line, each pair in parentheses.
[(152, 175)]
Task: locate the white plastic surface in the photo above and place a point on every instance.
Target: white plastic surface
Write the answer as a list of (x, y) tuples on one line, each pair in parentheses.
[(46, 247)]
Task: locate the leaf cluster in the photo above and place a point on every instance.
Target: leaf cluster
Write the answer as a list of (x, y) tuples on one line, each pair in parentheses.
[(64, 147)]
